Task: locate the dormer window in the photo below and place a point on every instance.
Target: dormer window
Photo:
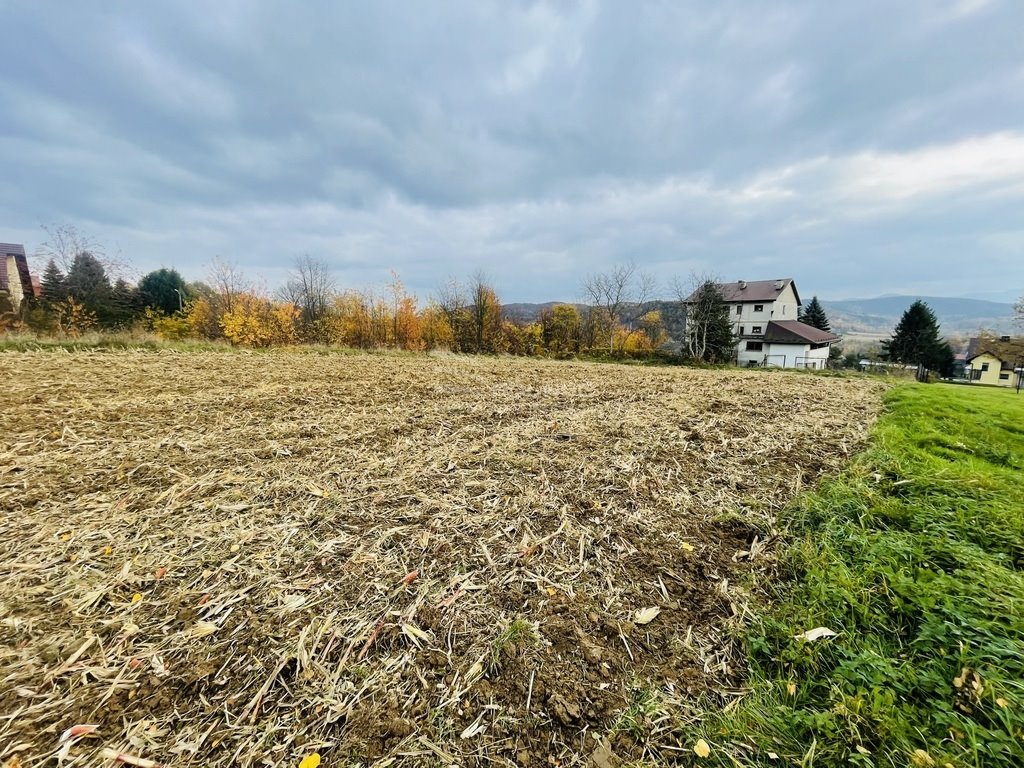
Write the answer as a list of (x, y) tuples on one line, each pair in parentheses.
[(756, 329), (759, 307)]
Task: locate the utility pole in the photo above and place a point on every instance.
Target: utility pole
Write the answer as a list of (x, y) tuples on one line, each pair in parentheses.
[(181, 303)]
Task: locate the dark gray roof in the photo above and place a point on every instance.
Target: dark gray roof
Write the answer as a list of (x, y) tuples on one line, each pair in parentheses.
[(21, 264), (754, 290), (795, 332), (12, 248)]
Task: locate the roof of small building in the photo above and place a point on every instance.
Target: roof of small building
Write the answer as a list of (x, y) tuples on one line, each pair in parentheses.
[(795, 332), (1002, 348), (983, 353), (754, 290), (9, 249)]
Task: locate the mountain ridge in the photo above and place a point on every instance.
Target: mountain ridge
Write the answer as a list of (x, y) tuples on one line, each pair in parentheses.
[(864, 317)]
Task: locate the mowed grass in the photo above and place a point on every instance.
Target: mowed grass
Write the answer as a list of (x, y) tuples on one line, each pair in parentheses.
[(913, 556)]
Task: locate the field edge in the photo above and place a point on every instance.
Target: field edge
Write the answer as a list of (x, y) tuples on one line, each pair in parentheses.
[(912, 557)]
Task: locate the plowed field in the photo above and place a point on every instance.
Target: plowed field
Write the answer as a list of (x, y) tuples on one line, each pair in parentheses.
[(243, 559)]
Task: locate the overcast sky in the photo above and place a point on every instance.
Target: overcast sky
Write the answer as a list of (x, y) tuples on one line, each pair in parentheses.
[(861, 148)]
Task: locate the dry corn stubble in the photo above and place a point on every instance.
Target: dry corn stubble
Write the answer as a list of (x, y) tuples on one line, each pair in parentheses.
[(240, 559)]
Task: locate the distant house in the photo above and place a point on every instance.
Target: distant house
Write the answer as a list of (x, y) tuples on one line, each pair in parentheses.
[(994, 360), (15, 280), (764, 322)]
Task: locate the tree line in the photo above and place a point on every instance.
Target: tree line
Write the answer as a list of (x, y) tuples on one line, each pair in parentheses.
[(83, 289)]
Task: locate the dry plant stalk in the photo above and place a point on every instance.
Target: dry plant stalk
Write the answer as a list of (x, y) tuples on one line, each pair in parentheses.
[(239, 559)]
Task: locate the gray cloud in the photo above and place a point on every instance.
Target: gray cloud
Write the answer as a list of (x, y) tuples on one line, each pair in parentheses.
[(861, 149)]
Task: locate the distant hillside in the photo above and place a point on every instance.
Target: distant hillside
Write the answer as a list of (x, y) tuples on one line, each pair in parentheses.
[(863, 320), (956, 316), (528, 313)]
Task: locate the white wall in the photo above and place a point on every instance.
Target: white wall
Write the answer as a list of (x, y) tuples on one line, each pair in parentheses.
[(785, 355), (783, 308)]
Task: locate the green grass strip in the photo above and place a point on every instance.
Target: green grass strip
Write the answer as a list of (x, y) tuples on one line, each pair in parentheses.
[(915, 557)]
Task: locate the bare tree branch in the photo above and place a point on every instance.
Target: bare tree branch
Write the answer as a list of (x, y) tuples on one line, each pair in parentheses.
[(619, 295), (64, 242), (310, 287), (228, 281)]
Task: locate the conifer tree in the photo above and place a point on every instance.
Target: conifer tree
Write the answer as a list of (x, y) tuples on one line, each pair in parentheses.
[(53, 285), (917, 342), (709, 334), (814, 315)]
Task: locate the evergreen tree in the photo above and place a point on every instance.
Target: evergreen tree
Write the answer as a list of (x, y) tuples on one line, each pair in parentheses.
[(87, 280), (814, 315), (53, 284), (163, 289), (126, 303), (917, 342), (709, 334), (88, 283)]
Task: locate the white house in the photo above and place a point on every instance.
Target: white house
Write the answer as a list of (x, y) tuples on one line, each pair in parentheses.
[(764, 321)]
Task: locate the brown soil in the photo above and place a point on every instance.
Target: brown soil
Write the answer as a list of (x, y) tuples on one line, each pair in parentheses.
[(204, 554)]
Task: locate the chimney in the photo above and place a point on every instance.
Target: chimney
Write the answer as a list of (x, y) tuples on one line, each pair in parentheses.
[(1004, 338), (779, 284), (743, 284)]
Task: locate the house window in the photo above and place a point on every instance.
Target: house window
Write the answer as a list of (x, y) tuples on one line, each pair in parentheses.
[(984, 367), (756, 329), (759, 307), (742, 330), (739, 309), (1004, 377), (755, 346)]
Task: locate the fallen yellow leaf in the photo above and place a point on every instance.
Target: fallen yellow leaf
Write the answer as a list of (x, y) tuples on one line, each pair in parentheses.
[(1002, 703), (552, 591), (686, 546), (310, 761), (646, 615), (235, 547), (136, 597), (701, 748), (791, 689), (108, 550)]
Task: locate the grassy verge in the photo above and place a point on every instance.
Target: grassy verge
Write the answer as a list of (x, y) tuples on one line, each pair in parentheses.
[(914, 557)]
